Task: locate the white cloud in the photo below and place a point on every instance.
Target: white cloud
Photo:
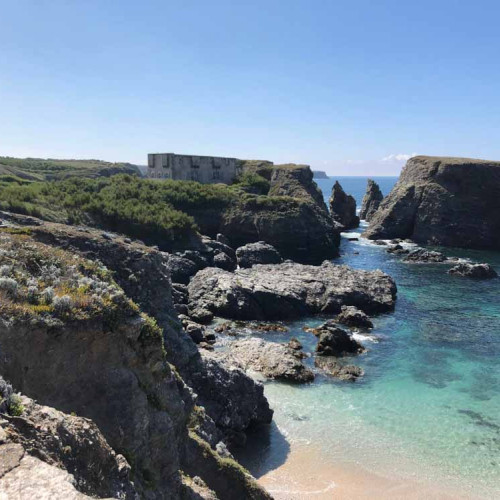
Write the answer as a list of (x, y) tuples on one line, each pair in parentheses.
[(398, 157)]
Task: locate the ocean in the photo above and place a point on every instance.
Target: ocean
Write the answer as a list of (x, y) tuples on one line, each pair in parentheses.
[(428, 406)]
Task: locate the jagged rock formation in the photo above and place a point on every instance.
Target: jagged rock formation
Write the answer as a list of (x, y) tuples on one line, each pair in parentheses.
[(47, 453), (443, 201), (421, 255), (343, 208), (81, 345), (333, 367), (334, 341), (257, 253), (371, 201), (474, 271), (273, 360), (288, 290)]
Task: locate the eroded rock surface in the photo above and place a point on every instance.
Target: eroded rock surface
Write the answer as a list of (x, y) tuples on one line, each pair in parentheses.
[(273, 360), (421, 255), (289, 290), (334, 341), (443, 201), (333, 367), (352, 316), (257, 253)]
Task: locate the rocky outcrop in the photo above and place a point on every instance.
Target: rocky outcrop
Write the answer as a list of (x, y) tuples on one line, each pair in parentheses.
[(353, 317), (343, 208), (57, 455), (319, 174), (474, 271), (371, 201), (443, 201), (257, 253), (422, 256), (334, 341), (289, 290), (273, 360), (296, 181), (92, 352)]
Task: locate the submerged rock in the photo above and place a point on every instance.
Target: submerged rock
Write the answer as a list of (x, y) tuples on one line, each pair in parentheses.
[(335, 368), (289, 290), (343, 208), (475, 271), (443, 201), (421, 255), (352, 316), (273, 360), (257, 253), (371, 201)]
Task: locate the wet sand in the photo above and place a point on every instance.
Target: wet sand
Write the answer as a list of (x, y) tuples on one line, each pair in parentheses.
[(307, 476)]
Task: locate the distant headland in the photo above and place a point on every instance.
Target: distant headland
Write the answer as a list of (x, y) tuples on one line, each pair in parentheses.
[(319, 174)]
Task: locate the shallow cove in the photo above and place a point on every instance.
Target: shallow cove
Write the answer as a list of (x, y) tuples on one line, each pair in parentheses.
[(424, 422)]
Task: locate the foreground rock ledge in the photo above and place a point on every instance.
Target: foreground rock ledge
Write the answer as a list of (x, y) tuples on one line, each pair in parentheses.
[(289, 290)]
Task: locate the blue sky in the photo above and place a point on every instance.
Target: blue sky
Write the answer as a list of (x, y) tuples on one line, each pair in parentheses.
[(351, 87)]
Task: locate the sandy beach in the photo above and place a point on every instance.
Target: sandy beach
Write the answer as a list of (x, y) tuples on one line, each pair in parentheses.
[(306, 475)]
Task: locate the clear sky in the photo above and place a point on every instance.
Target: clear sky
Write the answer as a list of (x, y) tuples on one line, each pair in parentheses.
[(350, 87)]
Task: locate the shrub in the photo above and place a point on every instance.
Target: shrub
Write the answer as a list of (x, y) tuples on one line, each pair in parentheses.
[(10, 285), (62, 304)]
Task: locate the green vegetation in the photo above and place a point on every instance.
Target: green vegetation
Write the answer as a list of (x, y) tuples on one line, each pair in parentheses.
[(37, 169), (251, 182), (16, 408)]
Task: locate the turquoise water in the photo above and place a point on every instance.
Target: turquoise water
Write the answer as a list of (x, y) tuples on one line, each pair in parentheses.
[(428, 407)]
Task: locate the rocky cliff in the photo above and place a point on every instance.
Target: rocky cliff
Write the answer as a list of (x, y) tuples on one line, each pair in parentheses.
[(371, 201), (443, 201), (71, 338)]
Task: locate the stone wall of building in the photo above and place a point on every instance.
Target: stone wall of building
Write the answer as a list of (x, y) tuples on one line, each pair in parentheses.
[(204, 169)]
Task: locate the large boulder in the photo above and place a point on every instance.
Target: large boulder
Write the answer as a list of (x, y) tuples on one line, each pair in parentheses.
[(273, 360), (257, 253), (289, 290), (334, 341), (443, 201), (371, 201), (422, 256), (352, 316), (475, 271), (343, 208)]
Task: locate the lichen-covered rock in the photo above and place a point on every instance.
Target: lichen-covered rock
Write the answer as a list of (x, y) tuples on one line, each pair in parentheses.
[(257, 253), (343, 208), (352, 316), (443, 201), (273, 360), (57, 455), (289, 290), (474, 271), (371, 200)]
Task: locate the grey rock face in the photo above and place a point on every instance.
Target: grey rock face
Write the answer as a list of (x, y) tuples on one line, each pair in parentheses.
[(352, 316), (257, 253), (47, 451), (474, 271), (421, 255), (273, 360), (443, 201), (343, 208), (371, 201), (289, 290)]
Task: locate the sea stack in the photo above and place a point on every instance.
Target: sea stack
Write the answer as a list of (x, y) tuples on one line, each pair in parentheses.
[(343, 208), (371, 200), (443, 201)]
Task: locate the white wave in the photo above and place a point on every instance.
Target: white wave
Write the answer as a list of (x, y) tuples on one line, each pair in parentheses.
[(359, 337)]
